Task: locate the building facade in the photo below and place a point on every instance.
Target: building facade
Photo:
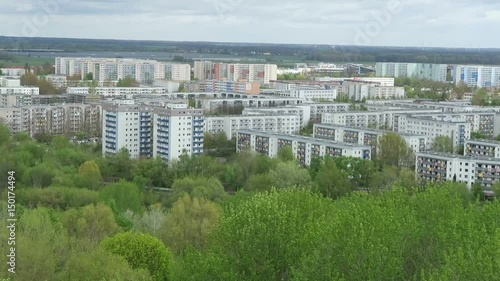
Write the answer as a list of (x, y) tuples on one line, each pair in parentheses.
[(260, 73), (477, 75), (113, 69), (304, 148), (482, 148), (231, 86), (435, 72), (230, 125), (440, 167), (147, 130)]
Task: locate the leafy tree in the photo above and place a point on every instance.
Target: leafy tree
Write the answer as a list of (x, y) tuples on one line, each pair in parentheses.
[(4, 134), (478, 136), (285, 154), (151, 221), (330, 181), (39, 176), (89, 76), (259, 182), (125, 195), (442, 144), (128, 81), (393, 150), (57, 197), (90, 175), (29, 79), (42, 245), (262, 237), (188, 223), (289, 174), (154, 170), (496, 189), (480, 97), (92, 222), (99, 264), (142, 251), (478, 191), (210, 188)]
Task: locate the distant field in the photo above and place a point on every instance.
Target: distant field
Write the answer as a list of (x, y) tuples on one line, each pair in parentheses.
[(22, 60)]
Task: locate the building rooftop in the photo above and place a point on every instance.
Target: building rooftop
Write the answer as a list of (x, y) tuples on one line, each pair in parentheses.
[(305, 139), (456, 156)]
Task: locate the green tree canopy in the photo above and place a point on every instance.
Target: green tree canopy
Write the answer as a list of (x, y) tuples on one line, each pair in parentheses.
[(142, 251)]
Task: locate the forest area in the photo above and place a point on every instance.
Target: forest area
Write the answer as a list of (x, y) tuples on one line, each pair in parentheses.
[(82, 216)]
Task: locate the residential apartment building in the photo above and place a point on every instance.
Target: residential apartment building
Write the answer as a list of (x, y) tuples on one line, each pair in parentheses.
[(365, 136), (310, 94), (10, 82), (435, 72), (15, 100), (385, 119), (440, 167), (13, 71), (357, 90), (382, 81), (482, 148), (303, 112), (261, 73), (304, 148), (252, 88), (59, 81), (211, 105), (113, 69), (277, 123), (116, 91), (148, 130), (57, 120), (457, 129), (477, 75)]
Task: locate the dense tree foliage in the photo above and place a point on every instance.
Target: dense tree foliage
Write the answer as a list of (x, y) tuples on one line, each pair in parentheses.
[(83, 216)]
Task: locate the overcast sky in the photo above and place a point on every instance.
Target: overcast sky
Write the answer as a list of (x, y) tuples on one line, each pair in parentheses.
[(426, 23)]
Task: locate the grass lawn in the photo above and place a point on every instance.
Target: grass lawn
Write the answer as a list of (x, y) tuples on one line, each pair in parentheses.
[(22, 60)]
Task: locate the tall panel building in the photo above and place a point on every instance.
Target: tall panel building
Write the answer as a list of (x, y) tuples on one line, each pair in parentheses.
[(435, 72), (477, 75), (261, 73), (147, 130)]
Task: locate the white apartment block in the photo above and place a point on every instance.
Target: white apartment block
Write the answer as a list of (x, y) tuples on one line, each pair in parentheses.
[(435, 72), (59, 81), (231, 86), (152, 131), (477, 75), (310, 94), (56, 120), (304, 148), (440, 167), (19, 91), (365, 136), (15, 72), (253, 101), (113, 69), (364, 90), (482, 148), (261, 73), (116, 91), (487, 123), (387, 119), (303, 112), (382, 81), (282, 123), (457, 129), (19, 100), (10, 82)]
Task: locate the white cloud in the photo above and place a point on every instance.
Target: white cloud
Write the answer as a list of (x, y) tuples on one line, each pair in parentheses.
[(435, 22)]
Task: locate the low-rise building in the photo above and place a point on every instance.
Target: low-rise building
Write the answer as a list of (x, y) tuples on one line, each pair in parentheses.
[(243, 87), (482, 148), (116, 91), (304, 148), (54, 119), (211, 105), (365, 136), (310, 94), (431, 126), (440, 167), (230, 125), (13, 71)]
